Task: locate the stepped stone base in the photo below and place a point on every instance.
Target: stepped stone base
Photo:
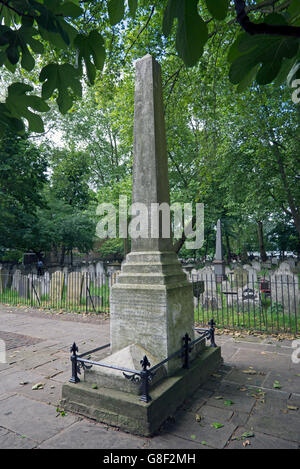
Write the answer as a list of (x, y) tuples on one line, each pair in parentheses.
[(152, 305), (125, 411), (130, 358)]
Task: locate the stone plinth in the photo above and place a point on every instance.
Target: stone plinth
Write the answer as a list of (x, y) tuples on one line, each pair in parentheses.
[(152, 305), (126, 411)]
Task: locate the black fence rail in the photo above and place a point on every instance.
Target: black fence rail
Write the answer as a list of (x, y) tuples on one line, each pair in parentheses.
[(67, 291), (269, 303), (142, 377)]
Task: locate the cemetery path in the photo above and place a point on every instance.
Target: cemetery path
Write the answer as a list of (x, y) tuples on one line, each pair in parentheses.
[(253, 401)]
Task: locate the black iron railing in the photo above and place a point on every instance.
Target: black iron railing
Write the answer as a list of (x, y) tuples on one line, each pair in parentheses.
[(267, 303), (144, 376)]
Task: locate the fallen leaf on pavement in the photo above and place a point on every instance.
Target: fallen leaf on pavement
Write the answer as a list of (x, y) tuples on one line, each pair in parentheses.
[(38, 386)]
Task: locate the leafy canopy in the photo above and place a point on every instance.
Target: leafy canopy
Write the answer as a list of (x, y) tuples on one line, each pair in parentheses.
[(57, 35)]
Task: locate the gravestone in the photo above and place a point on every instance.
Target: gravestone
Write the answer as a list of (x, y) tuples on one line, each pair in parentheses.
[(284, 267), (292, 262), (4, 279), (284, 287), (240, 277), (92, 272), (151, 304), (256, 265), (74, 288), (100, 268), (16, 279), (252, 275), (23, 287), (56, 287), (219, 264)]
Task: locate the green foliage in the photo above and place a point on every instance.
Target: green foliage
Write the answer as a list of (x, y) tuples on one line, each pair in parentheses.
[(218, 9), (116, 9), (56, 35), (91, 45), (192, 31), (60, 77), (266, 56)]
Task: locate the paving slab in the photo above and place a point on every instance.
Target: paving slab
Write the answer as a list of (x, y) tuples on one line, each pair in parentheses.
[(13, 440), (228, 396), (258, 441), (86, 435), (50, 393), (36, 420), (27, 421), (273, 418), (185, 426), (173, 442), (260, 361), (12, 377)]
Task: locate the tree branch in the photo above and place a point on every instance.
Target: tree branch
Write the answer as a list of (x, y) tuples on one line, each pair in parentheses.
[(262, 28)]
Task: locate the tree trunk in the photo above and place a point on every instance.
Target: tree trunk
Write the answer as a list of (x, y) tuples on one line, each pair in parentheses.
[(228, 250), (62, 255), (263, 254)]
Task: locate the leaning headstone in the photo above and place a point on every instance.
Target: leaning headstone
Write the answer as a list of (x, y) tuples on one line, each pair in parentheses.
[(74, 288), (56, 287)]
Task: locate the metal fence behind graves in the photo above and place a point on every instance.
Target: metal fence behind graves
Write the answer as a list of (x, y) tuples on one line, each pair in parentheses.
[(66, 291), (267, 303)]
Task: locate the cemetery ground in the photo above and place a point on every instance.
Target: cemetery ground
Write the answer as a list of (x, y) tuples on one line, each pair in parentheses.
[(252, 401)]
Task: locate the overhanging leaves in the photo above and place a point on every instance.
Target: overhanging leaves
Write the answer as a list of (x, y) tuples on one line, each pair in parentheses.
[(18, 104), (116, 10), (192, 32), (15, 42), (91, 46), (268, 52), (218, 9), (60, 78)]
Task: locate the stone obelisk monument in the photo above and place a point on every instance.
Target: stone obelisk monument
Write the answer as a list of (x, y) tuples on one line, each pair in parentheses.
[(218, 261), (151, 305), (152, 301)]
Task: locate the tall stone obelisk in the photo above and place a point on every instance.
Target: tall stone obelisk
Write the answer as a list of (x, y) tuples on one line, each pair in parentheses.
[(152, 301)]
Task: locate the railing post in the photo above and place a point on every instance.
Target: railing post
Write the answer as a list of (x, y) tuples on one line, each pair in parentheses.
[(145, 377), (212, 333), (74, 378), (186, 351)]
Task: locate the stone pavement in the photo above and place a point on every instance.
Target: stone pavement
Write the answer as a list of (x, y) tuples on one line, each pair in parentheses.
[(253, 401)]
